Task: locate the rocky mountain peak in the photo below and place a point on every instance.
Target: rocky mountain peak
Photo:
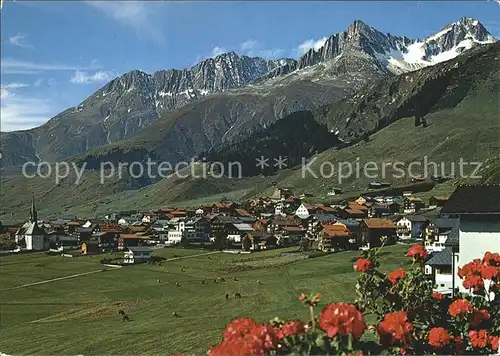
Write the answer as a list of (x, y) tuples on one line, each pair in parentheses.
[(454, 39), (358, 27)]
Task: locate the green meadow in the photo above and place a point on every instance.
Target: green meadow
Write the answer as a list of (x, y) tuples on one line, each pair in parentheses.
[(79, 315)]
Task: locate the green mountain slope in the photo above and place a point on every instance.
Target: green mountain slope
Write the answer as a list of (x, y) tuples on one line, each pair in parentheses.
[(459, 100)]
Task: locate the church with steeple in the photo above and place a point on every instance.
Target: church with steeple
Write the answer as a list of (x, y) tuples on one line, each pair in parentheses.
[(30, 236)]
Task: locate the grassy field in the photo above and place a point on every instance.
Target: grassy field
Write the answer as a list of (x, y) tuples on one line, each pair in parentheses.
[(80, 315)]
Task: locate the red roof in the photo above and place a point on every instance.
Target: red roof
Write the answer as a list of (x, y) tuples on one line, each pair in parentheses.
[(179, 212), (336, 230), (243, 212), (293, 229), (326, 208), (376, 223), (132, 236)]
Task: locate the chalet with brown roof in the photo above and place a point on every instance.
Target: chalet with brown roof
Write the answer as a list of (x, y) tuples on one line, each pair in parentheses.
[(126, 240), (282, 193), (137, 228), (261, 225), (223, 208), (412, 205), (371, 231), (335, 237), (165, 210), (353, 210), (437, 201), (72, 226), (241, 212), (179, 213), (105, 240), (323, 209)]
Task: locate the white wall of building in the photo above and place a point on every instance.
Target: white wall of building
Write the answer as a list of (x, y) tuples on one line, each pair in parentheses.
[(404, 223), (477, 236), (436, 245), (174, 236), (302, 211)]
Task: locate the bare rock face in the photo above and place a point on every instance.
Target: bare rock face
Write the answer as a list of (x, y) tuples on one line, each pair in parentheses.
[(132, 102)]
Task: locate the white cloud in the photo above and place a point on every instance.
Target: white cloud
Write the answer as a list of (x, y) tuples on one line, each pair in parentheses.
[(15, 85), (217, 51), (249, 45), (137, 14), (22, 113), (311, 43), (19, 40), (4, 93), (254, 48), (14, 66), (81, 77), (38, 82)]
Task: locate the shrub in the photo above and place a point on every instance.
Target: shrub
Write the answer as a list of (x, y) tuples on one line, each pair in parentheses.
[(410, 317)]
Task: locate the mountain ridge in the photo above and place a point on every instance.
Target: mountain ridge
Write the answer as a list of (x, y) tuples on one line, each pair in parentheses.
[(130, 103)]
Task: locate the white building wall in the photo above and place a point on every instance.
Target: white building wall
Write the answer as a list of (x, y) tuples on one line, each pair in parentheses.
[(302, 211), (404, 223), (235, 238), (444, 282), (477, 236), (174, 236)]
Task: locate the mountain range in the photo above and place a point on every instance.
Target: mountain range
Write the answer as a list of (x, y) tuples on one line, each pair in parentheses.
[(175, 114), (345, 103)]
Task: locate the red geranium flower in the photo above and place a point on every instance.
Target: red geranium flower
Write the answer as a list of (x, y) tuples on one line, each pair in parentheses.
[(243, 337), (473, 267), (342, 319), (292, 327), (396, 275), (494, 341), (459, 307), (439, 337), (492, 259), (248, 345), (266, 334), (395, 328), (478, 316), (418, 252), (479, 338), (489, 272), (363, 265), (437, 296), (474, 282), (239, 327)]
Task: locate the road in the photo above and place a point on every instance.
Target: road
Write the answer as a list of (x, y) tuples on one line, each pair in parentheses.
[(54, 279), (198, 255)]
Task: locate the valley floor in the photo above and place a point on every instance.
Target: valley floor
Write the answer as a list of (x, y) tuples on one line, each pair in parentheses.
[(80, 315)]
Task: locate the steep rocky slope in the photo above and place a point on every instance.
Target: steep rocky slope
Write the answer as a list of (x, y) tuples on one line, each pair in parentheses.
[(415, 94), (135, 100), (458, 99)]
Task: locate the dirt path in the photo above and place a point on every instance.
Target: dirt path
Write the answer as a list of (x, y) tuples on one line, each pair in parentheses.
[(53, 280), (198, 255)]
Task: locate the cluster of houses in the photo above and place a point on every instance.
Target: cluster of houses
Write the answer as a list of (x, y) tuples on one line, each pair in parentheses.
[(454, 230), (282, 219)]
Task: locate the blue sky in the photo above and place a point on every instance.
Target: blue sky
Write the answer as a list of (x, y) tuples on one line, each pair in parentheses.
[(55, 54)]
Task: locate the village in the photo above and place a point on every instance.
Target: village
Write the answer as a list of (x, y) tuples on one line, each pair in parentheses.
[(454, 230)]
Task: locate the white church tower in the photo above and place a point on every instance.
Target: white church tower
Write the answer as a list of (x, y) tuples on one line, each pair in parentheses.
[(30, 236)]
